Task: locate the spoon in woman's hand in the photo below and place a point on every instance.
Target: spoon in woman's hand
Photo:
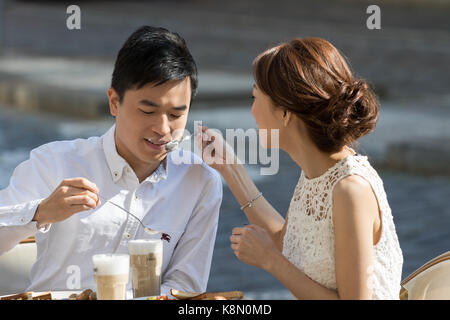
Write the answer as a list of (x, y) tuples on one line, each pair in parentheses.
[(172, 145)]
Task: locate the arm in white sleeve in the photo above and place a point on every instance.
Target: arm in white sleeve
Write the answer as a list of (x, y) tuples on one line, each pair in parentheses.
[(190, 264), (30, 183)]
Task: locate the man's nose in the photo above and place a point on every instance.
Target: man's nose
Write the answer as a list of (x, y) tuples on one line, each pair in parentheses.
[(162, 126)]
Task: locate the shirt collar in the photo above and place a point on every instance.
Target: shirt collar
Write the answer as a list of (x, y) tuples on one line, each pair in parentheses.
[(160, 172), (117, 164)]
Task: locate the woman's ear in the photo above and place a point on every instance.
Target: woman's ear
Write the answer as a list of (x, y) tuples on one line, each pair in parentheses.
[(287, 116)]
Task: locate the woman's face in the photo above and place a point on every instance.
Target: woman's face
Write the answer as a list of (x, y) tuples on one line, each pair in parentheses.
[(268, 118)]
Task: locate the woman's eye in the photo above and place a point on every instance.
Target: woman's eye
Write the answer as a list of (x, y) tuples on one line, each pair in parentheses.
[(147, 112), (175, 116)]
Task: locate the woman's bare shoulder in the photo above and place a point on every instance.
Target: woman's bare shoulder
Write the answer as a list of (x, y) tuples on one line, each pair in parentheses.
[(353, 194)]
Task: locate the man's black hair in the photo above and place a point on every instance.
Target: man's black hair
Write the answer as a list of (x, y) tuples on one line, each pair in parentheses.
[(153, 55)]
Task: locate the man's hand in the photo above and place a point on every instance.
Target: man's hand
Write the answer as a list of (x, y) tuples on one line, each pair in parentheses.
[(71, 196)]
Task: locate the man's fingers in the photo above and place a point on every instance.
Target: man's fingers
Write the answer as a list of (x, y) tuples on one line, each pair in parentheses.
[(81, 183), (81, 200), (79, 207), (74, 191)]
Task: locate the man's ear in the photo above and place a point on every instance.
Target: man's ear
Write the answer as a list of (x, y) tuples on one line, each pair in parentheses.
[(114, 101)]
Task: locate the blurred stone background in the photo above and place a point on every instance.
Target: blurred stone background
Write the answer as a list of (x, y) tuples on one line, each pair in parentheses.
[(53, 84)]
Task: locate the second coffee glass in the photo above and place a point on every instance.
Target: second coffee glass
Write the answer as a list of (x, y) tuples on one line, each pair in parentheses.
[(145, 263)]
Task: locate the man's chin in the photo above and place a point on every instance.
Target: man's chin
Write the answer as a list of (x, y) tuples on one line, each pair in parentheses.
[(152, 158)]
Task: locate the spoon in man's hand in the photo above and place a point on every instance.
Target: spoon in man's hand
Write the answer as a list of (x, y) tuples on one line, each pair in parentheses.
[(148, 230)]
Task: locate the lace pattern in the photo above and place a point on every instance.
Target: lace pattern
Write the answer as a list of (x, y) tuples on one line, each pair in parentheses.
[(309, 239)]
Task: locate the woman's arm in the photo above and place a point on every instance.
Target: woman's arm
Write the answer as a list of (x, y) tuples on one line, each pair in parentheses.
[(261, 212), (354, 211), (220, 156)]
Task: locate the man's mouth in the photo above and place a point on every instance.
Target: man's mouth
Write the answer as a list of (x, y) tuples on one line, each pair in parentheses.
[(155, 144)]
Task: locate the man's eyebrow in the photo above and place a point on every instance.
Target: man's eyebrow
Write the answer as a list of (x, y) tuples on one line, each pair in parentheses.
[(149, 103), (180, 108)]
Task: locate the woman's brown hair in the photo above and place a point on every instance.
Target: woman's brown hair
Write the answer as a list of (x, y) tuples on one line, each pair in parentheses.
[(309, 77)]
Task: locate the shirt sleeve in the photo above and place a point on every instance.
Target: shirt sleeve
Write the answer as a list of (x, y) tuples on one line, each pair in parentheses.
[(30, 183), (191, 260)]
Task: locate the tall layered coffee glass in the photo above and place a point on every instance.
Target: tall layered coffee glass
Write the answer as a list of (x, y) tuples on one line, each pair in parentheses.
[(145, 262), (111, 273)]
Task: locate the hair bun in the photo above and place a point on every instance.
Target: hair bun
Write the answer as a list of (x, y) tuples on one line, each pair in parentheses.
[(353, 92), (353, 111)]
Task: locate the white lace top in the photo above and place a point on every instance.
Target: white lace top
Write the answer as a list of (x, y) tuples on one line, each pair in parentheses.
[(309, 239)]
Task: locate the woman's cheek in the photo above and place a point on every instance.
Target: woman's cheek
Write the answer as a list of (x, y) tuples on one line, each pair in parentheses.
[(264, 138)]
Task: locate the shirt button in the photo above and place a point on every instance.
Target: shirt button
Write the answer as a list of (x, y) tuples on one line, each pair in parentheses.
[(116, 173), (136, 197), (127, 235), (22, 220)]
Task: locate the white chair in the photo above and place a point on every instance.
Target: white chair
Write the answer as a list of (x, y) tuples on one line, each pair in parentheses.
[(15, 266), (429, 282)]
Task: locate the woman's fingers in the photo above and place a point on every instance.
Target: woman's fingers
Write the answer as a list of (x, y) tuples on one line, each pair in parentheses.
[(235, 238), (216, 152), (203, 132), (237, 231), (203, 137), (251, 245)]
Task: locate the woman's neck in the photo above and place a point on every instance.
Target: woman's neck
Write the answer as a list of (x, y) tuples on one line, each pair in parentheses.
[(314, 162)]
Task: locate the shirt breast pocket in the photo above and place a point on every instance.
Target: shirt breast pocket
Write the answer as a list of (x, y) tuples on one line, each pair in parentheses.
[(170, 238)]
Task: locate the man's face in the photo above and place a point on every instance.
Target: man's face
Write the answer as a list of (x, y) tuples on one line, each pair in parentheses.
[(148, 118)]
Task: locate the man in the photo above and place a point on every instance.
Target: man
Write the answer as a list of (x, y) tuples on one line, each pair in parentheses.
[(57, 194)]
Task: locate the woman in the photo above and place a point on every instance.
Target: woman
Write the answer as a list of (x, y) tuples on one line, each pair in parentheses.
[(338, 240)]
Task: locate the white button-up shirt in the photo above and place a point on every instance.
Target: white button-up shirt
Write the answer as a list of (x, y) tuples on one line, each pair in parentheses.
[(182, 200)]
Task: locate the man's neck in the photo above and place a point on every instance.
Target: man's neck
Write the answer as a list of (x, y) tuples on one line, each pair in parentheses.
[(141, 169), (143, 172)]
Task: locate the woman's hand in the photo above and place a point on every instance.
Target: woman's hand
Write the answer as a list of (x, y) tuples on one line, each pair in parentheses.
[(216, 152), (253, 245)]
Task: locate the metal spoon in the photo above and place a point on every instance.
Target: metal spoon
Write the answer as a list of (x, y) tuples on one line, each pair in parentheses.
[(172, 145), (146, 229)]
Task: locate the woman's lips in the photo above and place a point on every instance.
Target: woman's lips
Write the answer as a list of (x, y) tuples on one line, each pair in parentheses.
[(155, 146)]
